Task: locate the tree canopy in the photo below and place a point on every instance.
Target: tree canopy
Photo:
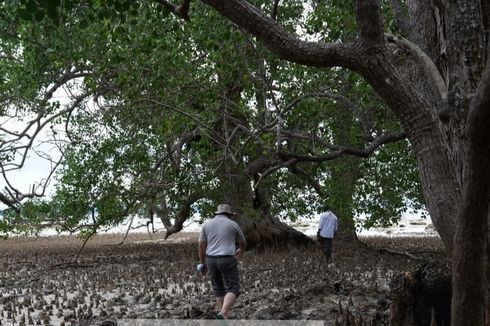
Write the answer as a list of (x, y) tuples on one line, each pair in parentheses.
[(147, 94)]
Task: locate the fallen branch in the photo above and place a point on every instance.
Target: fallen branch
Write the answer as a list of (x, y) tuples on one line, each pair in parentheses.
[(405, 253), (70, 264)]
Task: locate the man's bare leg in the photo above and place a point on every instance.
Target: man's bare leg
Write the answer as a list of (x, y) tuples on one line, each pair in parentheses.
[(219, 301), (228, 302)]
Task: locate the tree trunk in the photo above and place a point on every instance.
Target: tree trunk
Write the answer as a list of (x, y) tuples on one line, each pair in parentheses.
[(268, 232), (438, 178), (470, 257), (421, 297), (345, 174), (343, 209), (261, 229)]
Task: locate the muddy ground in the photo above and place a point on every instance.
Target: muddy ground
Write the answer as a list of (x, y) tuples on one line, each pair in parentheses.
[(154, 278)]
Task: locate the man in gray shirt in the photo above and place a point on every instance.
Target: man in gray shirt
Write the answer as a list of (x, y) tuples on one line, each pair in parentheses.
[(217, 251)]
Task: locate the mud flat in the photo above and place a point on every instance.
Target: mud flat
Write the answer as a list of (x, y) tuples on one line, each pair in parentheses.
[(149, 277)]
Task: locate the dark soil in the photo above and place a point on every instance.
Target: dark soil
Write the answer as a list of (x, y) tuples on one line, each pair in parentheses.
[(153, 278)]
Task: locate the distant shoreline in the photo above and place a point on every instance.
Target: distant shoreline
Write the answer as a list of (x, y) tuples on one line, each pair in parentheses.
[(411, 226), (113, 240)]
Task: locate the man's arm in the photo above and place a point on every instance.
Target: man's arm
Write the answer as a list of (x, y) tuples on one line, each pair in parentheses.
[(242, 243), (319, 226), (241, 248), (201, 250)]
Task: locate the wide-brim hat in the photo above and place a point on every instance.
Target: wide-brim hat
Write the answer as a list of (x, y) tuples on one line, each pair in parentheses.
[(224, 208)]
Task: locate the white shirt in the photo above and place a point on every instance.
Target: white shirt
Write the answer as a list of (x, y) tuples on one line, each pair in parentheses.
[(328, 224)]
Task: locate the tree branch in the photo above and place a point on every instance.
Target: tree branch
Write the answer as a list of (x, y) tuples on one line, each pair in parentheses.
[(400, 17), (10, 202), (311, 181), (181, 10), (322, 94), (431, 69), (289, 160), (285, 45), (211, 134), (274, 9), (368, 16), (10, 146), (381, 140), (274, 168)]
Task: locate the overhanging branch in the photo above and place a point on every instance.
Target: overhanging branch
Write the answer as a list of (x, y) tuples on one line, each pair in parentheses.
[(181, 10), (284, 44), (340, 150), (289, 160)]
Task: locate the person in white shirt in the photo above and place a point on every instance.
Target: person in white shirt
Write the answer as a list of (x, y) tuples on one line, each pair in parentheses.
[(327, 228)]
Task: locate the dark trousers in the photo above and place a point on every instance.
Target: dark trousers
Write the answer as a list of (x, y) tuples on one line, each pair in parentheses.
[(223, 271), (327, 248)]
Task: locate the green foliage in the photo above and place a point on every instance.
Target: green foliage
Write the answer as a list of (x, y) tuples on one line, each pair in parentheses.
[(332, 21), (31, 221), (389, 187), (164, 95)]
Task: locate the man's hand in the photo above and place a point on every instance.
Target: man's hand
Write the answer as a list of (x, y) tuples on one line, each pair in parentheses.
[(238, 253), (202, 268), (319, 238)]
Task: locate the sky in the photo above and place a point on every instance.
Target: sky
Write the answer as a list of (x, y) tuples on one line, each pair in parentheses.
[(36, 168)]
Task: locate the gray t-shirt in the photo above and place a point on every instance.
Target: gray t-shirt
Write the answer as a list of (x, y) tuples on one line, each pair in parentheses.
[(221, 234)]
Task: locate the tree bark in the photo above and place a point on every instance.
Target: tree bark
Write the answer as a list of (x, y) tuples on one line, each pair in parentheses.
[(345, 174), (439, 184), (471, 238), (421, 297)]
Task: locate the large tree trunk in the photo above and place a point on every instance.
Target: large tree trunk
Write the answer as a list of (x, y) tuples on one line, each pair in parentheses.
[(439, 183), (345, 174), (470, 258), (421, 297), (261, 229), (269, 232)]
